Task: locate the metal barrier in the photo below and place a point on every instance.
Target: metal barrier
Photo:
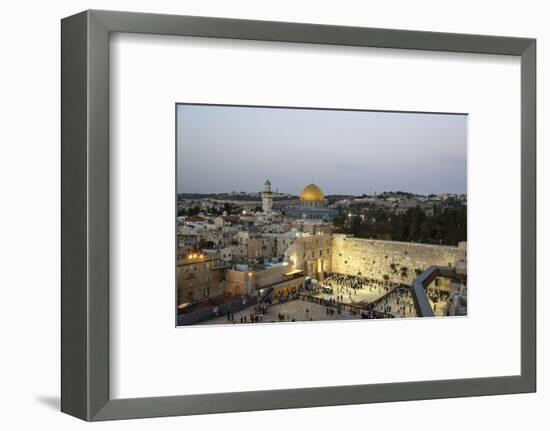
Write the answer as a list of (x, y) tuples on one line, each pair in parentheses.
[(194, 317), (341, 305), (388, 293)]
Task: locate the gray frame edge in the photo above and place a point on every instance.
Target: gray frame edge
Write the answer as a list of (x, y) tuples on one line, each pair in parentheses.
[(529, 216), (85, 215), (73, 216)]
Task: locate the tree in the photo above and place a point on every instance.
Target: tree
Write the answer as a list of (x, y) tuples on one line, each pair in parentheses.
[(356, 226), (444, 225), (194, 210)]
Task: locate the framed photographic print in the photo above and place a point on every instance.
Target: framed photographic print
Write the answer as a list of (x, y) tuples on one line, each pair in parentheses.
[(263, 215)]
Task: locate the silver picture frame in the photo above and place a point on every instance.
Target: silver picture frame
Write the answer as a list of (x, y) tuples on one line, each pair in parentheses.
[(85, 215)]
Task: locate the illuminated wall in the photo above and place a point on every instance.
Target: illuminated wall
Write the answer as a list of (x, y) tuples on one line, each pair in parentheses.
[(398, 261)]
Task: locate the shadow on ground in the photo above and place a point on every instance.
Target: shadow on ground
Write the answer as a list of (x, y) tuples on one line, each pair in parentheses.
[(53, 402)]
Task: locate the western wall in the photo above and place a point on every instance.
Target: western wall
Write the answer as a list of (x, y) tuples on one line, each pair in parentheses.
[(399, 261)]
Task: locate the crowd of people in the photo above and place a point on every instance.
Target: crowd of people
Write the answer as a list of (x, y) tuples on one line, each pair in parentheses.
[(439, 299), (346, 281), (398, 303), (375, 314), (392, 299), (346, 287), (262, 311), (256, 316), (395, 298)]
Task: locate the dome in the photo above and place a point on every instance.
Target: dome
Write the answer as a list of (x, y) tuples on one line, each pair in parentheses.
[(312, 193)]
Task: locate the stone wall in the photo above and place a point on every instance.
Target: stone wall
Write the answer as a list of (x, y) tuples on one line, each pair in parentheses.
[(199, 278), (252, 246), (311, 254), (399, 261), (247, 282)]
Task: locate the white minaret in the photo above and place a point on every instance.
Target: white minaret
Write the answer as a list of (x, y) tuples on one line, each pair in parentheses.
[(267, 197)]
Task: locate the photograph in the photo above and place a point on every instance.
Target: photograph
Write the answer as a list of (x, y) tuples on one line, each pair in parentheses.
[(303, 215)]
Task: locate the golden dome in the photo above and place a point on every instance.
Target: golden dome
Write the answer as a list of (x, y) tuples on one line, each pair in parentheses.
[(312, 193)]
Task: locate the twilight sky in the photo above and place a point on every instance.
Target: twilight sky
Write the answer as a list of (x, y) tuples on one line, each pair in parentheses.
[(222, 149)]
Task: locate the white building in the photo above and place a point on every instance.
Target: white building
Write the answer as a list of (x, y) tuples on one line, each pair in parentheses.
[(267, 197)]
